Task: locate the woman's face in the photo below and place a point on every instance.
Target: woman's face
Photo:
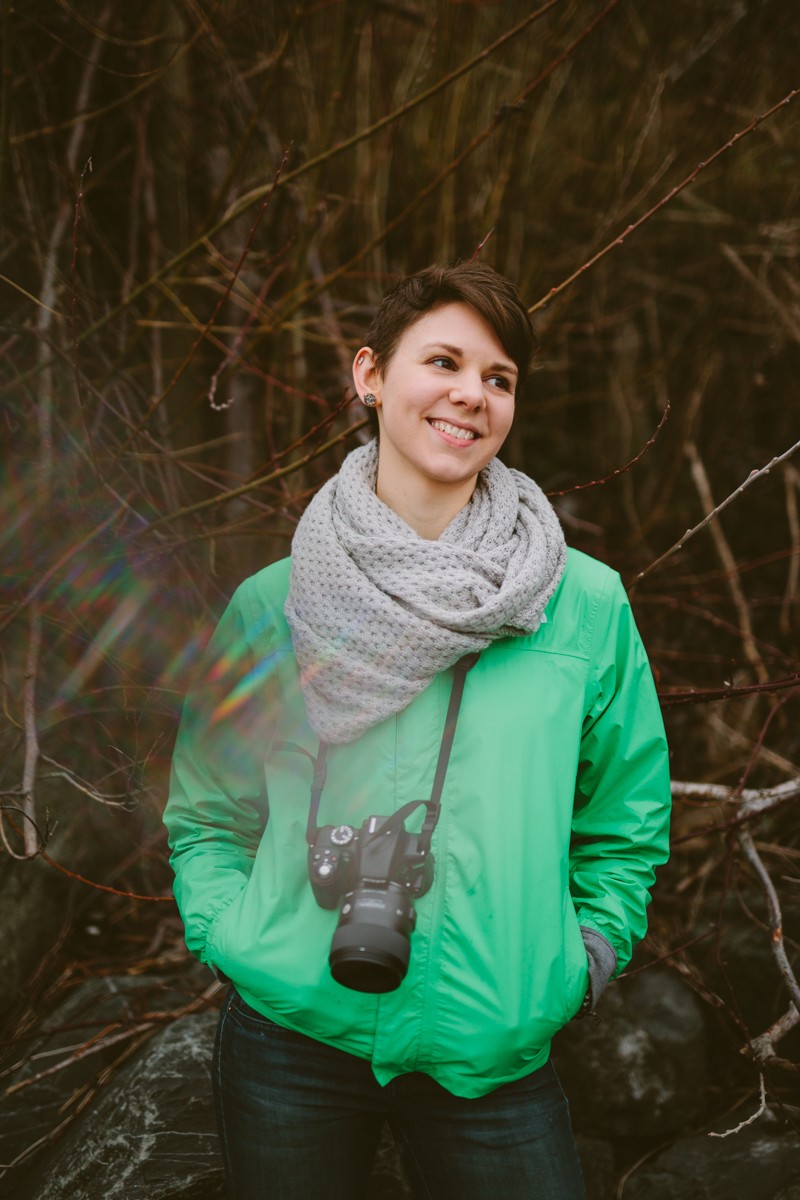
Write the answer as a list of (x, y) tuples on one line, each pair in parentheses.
[(445, 402)]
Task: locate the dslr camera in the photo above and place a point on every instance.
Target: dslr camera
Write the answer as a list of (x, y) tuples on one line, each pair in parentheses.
[(377, 871)]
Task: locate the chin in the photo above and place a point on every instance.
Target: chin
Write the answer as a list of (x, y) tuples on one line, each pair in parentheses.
[(455, 478), (458, 472)]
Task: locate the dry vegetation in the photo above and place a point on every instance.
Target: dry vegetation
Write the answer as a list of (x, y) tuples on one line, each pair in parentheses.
[(202, 203)]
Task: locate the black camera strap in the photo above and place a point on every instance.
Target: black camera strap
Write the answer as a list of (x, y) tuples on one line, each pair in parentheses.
[(317, 784), (434, 804)]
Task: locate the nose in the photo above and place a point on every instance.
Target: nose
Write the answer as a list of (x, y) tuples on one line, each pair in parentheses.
[(467, 390)]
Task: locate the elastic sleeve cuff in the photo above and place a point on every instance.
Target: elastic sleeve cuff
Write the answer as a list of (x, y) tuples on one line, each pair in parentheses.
[(602, 961)]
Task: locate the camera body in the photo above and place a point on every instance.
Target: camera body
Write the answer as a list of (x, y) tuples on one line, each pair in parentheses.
[(377, 871)]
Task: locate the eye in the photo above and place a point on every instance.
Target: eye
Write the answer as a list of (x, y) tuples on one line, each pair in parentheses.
[(500, 381), (442, 360)]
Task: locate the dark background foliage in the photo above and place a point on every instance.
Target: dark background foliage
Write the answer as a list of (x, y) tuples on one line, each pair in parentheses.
[(202, 203)]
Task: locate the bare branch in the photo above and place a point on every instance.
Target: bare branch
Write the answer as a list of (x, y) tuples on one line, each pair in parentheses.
[(752, 801), (762, 1108), (728, 562), (758, 473), (791, 478), (261, 481), (762, 1047), (580, 487), (30, 836), (781, 310), (198, 341), (6, 93), (93, 1047), (709, 695), (636, 225), (775, 919)]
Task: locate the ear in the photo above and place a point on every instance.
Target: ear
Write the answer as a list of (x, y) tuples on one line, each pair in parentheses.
[(366, 377)]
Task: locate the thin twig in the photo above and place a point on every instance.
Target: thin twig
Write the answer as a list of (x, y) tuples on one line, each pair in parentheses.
[(89, 1092), (728, 561), (791, 477), (762, 1108), (93, 1047), (29, 833), (120, 800), (710, 695), (775, 919), (758, 744), (103, 887), (46, 310), (782, 310), (12, 283), (85, 115), (579, 487), (261, 481), (6, 94), (14, 808), (159, 400), (114, 1033), (74, 316), (735, 494), (636, 225)]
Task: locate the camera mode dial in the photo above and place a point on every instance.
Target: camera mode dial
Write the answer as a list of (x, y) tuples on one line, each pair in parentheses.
[(342, 835)]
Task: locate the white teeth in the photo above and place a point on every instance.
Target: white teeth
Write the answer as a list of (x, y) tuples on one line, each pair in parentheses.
[(465, 435)]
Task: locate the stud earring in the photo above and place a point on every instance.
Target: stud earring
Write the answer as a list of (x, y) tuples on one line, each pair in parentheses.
[(369, 400)]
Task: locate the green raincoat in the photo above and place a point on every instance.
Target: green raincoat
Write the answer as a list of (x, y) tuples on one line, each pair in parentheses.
[(554, 816)]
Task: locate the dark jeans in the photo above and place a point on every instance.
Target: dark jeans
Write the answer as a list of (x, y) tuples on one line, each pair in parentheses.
[(299, 1119)]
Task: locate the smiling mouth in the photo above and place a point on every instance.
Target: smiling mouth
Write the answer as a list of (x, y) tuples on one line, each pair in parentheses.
[(464, 435)]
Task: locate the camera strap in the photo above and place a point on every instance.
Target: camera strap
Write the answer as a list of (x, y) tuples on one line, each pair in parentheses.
[(457, 691), (317, 784), (434, 804)]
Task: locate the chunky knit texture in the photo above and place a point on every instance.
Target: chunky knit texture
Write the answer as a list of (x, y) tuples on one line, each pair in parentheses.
[(376, 611)]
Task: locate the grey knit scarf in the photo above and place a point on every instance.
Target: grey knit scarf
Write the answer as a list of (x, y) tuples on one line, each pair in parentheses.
[(376, 611)]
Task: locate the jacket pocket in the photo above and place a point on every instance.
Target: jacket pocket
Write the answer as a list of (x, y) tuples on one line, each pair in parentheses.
[(576, 962), (213, 954)]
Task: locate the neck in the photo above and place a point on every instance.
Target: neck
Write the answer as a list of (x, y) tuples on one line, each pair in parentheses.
[(428, 510)]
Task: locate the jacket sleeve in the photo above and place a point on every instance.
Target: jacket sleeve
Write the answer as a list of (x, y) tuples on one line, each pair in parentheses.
[(217, 807), (620, 828)]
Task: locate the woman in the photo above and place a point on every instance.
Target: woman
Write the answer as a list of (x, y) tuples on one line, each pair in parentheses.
[(321, 712)]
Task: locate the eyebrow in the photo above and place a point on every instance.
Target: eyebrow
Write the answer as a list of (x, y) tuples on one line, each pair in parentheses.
[(509, 368)]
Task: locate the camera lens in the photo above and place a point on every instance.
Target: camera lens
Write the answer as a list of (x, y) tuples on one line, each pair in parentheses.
[(370, 948)]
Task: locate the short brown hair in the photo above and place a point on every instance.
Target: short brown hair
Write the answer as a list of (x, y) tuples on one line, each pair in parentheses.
[(492, 296)]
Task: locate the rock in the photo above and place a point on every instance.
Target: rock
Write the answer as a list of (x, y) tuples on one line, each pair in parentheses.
[(760, 1162), (37, 1102), (151, 1132), (640, 1069), (150, 1135)]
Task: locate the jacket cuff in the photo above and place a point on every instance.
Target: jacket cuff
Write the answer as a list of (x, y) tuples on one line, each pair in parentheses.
[(602, 962)]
